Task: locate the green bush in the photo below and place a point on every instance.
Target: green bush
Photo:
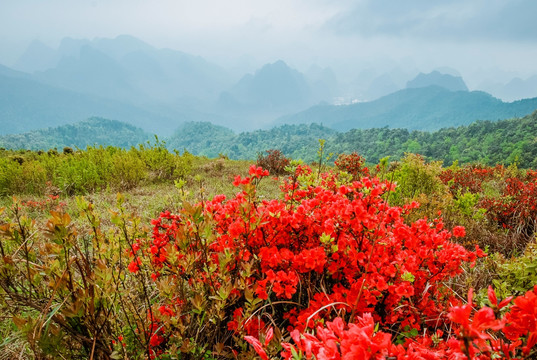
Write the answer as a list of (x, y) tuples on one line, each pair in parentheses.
[(86, 171)]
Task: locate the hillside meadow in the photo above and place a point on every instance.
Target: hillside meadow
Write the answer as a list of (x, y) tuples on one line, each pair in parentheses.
[(111, 253)]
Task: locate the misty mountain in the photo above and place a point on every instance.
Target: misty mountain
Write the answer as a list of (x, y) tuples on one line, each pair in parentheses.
[(91, 132), (275, 87), (120, 46), (5, 71), (435, 78), (428, 108), (127, 69), (27, 105), (323, 82), (448, 70), (272, 91), (37, 57), (520, 89), (175, 75), (170, 87), (516, 88), (93, 72), (121, 78), (370, 85), (380, 86)]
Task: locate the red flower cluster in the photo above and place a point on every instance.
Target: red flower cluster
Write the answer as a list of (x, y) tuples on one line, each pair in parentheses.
[(330, 250), (483, 335), (515, 205), (470, 178), (353, 164)]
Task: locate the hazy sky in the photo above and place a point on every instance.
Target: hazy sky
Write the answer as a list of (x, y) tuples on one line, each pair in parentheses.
[(472, 36)]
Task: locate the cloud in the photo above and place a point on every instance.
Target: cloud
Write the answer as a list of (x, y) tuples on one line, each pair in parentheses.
[(344, 34), (450, 20)]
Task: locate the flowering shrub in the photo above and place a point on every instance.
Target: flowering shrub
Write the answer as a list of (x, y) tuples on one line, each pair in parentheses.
[(329, 249), (274, 161), (481, 334), (353, 164), (329, 270), (470, 178), (516, 208), (508, 196)]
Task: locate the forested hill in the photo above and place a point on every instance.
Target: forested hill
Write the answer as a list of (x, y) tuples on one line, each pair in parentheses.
[(93, 131), (296, 141), (490, 142)]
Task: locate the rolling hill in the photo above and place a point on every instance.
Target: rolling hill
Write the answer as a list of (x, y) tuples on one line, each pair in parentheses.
[(298, 141), (93, 131), (489, 142)]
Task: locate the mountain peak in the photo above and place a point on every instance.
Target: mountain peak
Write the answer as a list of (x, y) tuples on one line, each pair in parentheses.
[(37, 57), (436, 78), (278, 66), (274, 86), (121, 45)]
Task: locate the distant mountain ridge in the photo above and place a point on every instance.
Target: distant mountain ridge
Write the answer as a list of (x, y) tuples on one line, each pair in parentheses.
[(162, 83), (128, 69), (516, 88), (27, 105), (424, 108), (37, 57), (275, 85), (122, 78), (159, 89)]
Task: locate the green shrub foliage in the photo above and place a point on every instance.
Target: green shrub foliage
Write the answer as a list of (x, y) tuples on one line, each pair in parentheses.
[(84, 171)]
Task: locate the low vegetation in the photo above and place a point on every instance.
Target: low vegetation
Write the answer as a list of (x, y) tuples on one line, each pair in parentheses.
[(210, 259), (74, 171)]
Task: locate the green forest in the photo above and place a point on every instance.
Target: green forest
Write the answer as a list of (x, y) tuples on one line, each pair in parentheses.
[(487, 142)]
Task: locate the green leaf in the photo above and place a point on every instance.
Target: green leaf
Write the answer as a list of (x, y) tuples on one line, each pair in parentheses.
[(407, 276)]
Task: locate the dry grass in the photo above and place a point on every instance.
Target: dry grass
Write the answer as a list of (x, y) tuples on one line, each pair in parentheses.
[(209, 177)]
